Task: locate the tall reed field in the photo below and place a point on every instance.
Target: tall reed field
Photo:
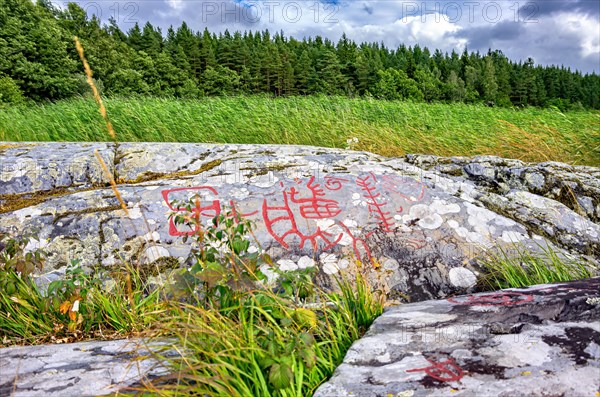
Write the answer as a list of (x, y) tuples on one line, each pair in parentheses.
[(389, 128)]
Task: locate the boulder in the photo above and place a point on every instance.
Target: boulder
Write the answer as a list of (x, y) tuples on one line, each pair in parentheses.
[(78, 369), (426, 226), (539, 341)]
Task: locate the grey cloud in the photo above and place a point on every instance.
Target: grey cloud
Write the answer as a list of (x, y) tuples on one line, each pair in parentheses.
[(533, 9), (484, 37)]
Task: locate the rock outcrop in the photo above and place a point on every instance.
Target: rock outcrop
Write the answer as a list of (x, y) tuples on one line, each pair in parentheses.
[(78, 369), (427, 221), (540, 341)]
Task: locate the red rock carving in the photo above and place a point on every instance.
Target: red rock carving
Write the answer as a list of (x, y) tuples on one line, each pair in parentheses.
[(314, 207), (393, 183), (444, 371), (211, 210), (375, 205), (334, 183), (506, 298), (310, 204)]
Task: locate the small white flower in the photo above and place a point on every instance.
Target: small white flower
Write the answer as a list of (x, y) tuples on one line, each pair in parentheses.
[(75, 307), (252, 249)]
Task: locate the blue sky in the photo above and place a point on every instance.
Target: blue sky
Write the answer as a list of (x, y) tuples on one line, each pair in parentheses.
[(551, 32)]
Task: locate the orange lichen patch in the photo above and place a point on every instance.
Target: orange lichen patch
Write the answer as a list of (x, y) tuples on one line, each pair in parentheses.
[(153, 176), (14, 202), (4, 146)]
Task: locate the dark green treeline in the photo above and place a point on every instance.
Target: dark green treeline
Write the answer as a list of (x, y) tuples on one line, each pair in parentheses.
[(38, 62)]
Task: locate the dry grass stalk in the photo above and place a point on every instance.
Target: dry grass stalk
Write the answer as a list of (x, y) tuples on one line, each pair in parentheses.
[(111, 132), (112, 182), (97, 97)]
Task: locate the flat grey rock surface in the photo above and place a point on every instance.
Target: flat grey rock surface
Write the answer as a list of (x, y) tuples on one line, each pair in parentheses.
[(76, 369), (428, 221), (539, 341)]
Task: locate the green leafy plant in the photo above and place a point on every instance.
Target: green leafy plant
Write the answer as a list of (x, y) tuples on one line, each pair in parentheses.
[(224, 265), (297, 284), (268, 345), (70, 296), (14, 256)]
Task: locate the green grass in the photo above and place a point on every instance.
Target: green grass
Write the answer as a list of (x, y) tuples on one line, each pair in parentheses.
[(30, 316), (522, 268), (389, 128), (267, 345)]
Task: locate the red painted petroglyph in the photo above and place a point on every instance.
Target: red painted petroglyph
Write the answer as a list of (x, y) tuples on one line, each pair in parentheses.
[(444, 371), (304, 203), (507, 298), (211, 210), (315, 206), (334, 183), (374, 204), (312, 208)]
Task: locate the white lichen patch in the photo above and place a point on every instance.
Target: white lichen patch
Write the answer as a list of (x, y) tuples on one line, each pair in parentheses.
[(29, 212), (20, 168), (239, 193), (442, 207), (583, 225), (305, 262), (287, 265), (357, 200), (453, 224), (593, 301), (331, 264), (461, 277), (151, 236), (510, 236), (429, 216), (519, 352), (479, 216), (34, 245), (135, 212), (155, 252)]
